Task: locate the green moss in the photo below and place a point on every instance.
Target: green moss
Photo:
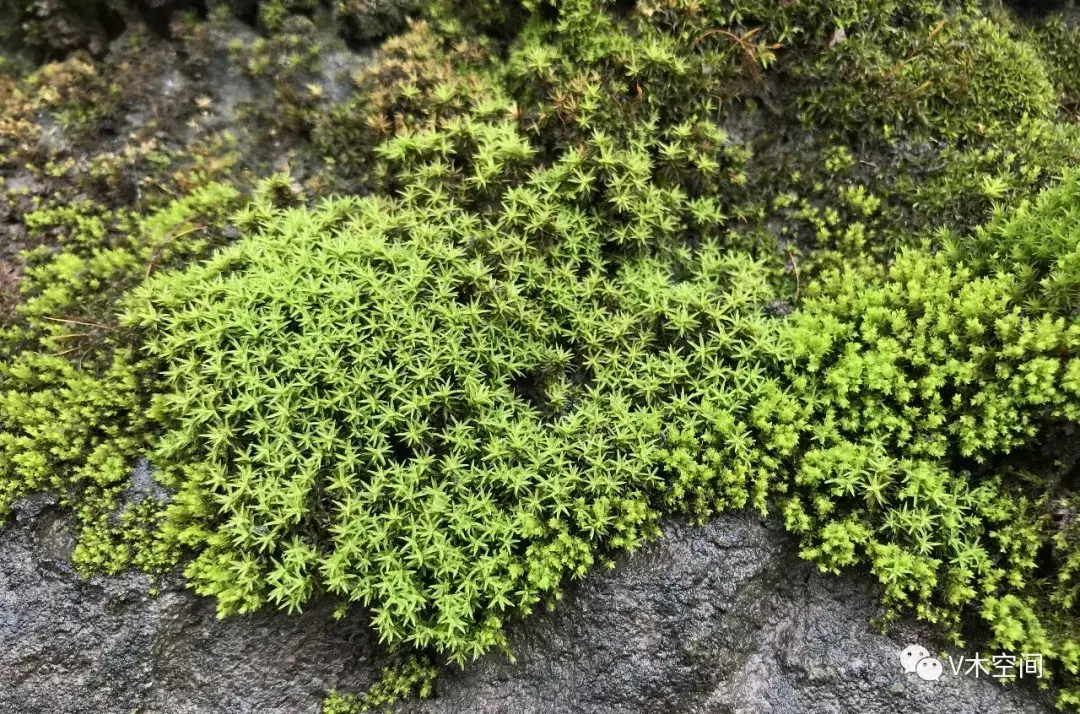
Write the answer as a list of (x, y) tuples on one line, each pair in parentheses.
[(507, 434), (679, 257), (413, 678), (73, 390), (1058, 44), (926, 381), (952, 77), (1037, 241), (414, 84)]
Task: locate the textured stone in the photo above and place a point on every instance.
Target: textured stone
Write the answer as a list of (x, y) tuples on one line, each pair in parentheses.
[(70, 646), (719, 619)]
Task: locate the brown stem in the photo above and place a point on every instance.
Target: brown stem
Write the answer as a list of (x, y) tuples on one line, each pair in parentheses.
[(79, 322), (795, 269), (168, 239)]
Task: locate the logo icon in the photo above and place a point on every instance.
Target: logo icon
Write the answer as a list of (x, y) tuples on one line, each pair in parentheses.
[(911, 656), (916, 659), (929, 669)]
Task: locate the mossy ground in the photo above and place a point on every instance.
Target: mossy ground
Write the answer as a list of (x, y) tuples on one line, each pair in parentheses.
[(435, 332)]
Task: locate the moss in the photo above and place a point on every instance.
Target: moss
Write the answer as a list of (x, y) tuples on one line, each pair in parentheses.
[(73, 392), (414, 84), (620, 260), (413, 678), (953, 77), (1058, 44), (925, 380), (488, 421)]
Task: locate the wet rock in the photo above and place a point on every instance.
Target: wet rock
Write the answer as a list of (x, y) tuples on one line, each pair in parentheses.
[(58, 27), (143, 485), (365, 20), (720, 619), (70, 646)]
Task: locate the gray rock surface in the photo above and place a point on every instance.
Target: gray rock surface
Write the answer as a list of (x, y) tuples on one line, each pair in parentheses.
[(70, 646), (366, 20), (721, 619)]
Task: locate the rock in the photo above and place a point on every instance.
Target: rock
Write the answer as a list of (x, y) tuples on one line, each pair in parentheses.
[(59, 27), (142, 485), (720, 619), (104, 646), (362, 21)]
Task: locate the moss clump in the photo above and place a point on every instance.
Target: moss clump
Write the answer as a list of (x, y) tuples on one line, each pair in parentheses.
[(950, 76), (414, 85), (921, 381), (505, 437), (73, 394), (1037, 242), (924, 381), (447, 500), (413, 678), (1058, 44)]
